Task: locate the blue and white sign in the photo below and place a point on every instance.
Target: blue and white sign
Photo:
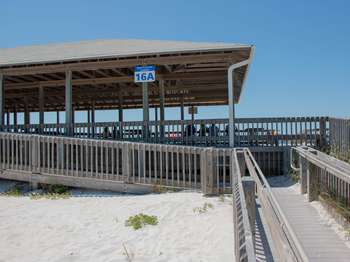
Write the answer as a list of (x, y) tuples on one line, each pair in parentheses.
[(145, 74)]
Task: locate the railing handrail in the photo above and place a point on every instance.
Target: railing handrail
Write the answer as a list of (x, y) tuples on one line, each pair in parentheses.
[(292, 240), (326, 162), (248, 235)]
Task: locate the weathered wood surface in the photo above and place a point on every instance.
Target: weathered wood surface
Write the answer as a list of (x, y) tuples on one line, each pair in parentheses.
[(318, 240)]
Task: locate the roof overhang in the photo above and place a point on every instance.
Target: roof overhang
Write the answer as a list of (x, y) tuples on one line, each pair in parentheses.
[(103, 73)]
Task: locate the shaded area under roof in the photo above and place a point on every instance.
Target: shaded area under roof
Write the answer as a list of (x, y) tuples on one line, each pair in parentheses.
[(102, 73)]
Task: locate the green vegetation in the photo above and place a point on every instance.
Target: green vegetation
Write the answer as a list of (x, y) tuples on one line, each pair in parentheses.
[(52, 192), (160, 189), (204, 209), (141, 220), (14, 191), (338, 203), (294, 175)]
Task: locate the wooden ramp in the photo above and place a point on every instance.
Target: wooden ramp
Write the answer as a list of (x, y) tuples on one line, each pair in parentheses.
[(318, 240)]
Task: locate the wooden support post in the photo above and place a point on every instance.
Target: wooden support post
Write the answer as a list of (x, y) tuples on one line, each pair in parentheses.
[(15, 116), (93, 118), (2, 99), (8, 117), (26, 115), (145, 111), (286, 160), (161, 109), (157, 124), (312, 182), (126, 165), (120, 116), (249, 194), (182, 116), (41, 109), (323, 138), (68, 104), (208, 171), (304, 166)]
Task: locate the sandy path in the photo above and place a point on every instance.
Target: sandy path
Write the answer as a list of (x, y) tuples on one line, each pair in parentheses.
[(90, 227)]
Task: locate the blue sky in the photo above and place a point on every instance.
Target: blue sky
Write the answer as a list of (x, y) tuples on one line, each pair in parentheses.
[(301, 64)]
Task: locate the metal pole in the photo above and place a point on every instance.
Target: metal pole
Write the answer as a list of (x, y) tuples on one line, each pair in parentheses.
[(68, 106), (231, 111), (145, 110), (2, 99), (58, 117)]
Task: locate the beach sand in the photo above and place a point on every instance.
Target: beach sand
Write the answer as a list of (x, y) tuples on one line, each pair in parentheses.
[(90, 226)]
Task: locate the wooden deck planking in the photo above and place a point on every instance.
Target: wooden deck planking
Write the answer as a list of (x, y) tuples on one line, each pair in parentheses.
[(319, 241)]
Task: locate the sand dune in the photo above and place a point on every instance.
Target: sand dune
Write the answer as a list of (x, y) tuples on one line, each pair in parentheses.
[(90, 227)]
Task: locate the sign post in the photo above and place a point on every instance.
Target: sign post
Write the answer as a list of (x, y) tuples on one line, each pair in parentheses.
[(145, 74)]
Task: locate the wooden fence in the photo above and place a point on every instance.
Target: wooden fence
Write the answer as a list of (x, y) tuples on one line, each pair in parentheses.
[(339, 130), (321, 174), (250, 132), (152, 164)]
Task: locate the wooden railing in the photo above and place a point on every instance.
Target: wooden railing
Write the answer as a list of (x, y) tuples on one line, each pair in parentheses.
[(287, 245), (251, 132), (244, 239), (128, 162), (339, 137), (321, 174)]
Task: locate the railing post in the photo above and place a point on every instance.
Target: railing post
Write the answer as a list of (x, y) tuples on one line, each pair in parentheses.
[(126, 161), (304, 166), (249, 194), (312, 182), (207, 171)]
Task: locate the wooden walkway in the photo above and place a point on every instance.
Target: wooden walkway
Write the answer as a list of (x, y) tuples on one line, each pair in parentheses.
[(319, 241)]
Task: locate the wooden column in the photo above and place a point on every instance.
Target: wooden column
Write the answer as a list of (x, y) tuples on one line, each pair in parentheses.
[(58, 117), (145, 110), (68, 104), (312, 182), (15, 116), (93, 118), (2, 99), (304, 166), (26, 114), (120, 107), (161, 108), (41, 108), (182, 116), (8, 117)]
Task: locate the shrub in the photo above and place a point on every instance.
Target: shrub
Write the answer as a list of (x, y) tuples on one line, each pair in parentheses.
[(141, 220), (204, 209), (14, 191)]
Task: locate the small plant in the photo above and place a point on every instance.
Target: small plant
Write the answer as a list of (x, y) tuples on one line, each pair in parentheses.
[(222, 198), (52, 192), (294, 176), (14, 192), (141, 220), (160, 189), (204, 209)]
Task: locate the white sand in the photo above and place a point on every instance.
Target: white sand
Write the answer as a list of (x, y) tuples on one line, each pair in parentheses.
[(90, 227)]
